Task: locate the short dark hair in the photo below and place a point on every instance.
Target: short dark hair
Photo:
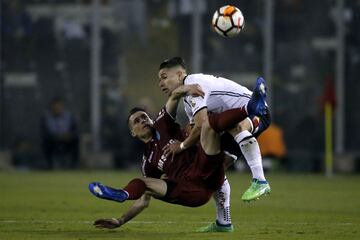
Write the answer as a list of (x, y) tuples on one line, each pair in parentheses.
[(134, 110), (172, 62)]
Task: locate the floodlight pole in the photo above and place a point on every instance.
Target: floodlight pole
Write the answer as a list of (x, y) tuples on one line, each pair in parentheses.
[(2, 92), (268, 48), (95, 76), (2, 107), (196, 37), (339, 78)]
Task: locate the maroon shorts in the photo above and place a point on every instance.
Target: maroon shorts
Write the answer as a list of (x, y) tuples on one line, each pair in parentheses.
[(196, 186)]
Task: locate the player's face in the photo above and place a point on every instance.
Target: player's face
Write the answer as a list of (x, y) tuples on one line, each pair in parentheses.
[(169, 79), (140, 125)]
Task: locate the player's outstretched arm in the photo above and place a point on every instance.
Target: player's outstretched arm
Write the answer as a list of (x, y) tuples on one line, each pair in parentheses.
[(183, 90), (134, 210), (194, 135), (192, 139)]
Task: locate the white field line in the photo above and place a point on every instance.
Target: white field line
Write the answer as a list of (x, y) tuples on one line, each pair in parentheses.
[(153, 222)]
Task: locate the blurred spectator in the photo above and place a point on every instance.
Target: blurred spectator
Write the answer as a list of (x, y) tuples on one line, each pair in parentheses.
[(272, 147), (60, 137)]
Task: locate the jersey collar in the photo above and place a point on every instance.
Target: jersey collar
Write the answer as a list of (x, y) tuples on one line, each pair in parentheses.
[(156, 135), (184, 79)]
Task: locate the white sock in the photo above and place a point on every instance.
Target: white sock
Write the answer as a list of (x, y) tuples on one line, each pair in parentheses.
[(251, 151), (222, 201)]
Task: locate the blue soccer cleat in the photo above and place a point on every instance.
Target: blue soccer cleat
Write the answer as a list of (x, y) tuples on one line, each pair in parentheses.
[(109, 193), (257, 105)]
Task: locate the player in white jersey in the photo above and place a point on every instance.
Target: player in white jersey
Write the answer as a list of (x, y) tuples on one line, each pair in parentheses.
[(222, 94)]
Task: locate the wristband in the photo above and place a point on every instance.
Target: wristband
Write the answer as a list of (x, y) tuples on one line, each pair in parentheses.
[(182, 147)]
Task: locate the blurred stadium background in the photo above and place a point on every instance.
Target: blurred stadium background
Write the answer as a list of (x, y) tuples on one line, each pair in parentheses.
[(101, 58)]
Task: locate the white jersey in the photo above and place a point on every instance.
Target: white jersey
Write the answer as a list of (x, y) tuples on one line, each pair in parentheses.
[(221, 94)]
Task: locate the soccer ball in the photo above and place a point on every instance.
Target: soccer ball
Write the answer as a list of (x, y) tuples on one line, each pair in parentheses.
[(228, 21)]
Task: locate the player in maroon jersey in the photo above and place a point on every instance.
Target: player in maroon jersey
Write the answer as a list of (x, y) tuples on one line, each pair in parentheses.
[(191, 176)]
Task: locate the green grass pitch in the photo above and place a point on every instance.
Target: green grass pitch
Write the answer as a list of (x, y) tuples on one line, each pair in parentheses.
[(43, 205)]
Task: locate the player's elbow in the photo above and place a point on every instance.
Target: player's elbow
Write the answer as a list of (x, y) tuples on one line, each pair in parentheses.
[(144, 203)]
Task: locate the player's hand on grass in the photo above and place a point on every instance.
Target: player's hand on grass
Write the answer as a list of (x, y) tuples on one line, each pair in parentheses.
[(109, 223)]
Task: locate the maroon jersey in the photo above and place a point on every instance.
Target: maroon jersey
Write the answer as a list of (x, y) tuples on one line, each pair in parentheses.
[(192, 175), (166, 131)]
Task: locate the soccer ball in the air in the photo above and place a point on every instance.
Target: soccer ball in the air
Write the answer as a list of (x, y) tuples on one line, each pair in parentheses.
[(228, 21)]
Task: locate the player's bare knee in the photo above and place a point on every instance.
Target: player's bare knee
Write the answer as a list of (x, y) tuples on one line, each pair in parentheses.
[(244, 125), (233, 131), (211, 150)]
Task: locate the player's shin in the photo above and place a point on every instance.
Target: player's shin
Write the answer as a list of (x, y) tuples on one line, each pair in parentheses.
[(223, 220), (222, 201), (251, 151)]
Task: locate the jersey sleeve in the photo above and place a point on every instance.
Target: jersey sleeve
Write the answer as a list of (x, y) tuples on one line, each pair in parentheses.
[(195, 104), (188, 112), (166, 123)]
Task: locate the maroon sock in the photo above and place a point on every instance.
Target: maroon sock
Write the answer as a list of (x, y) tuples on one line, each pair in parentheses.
[(136, 188), (227, 120)]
